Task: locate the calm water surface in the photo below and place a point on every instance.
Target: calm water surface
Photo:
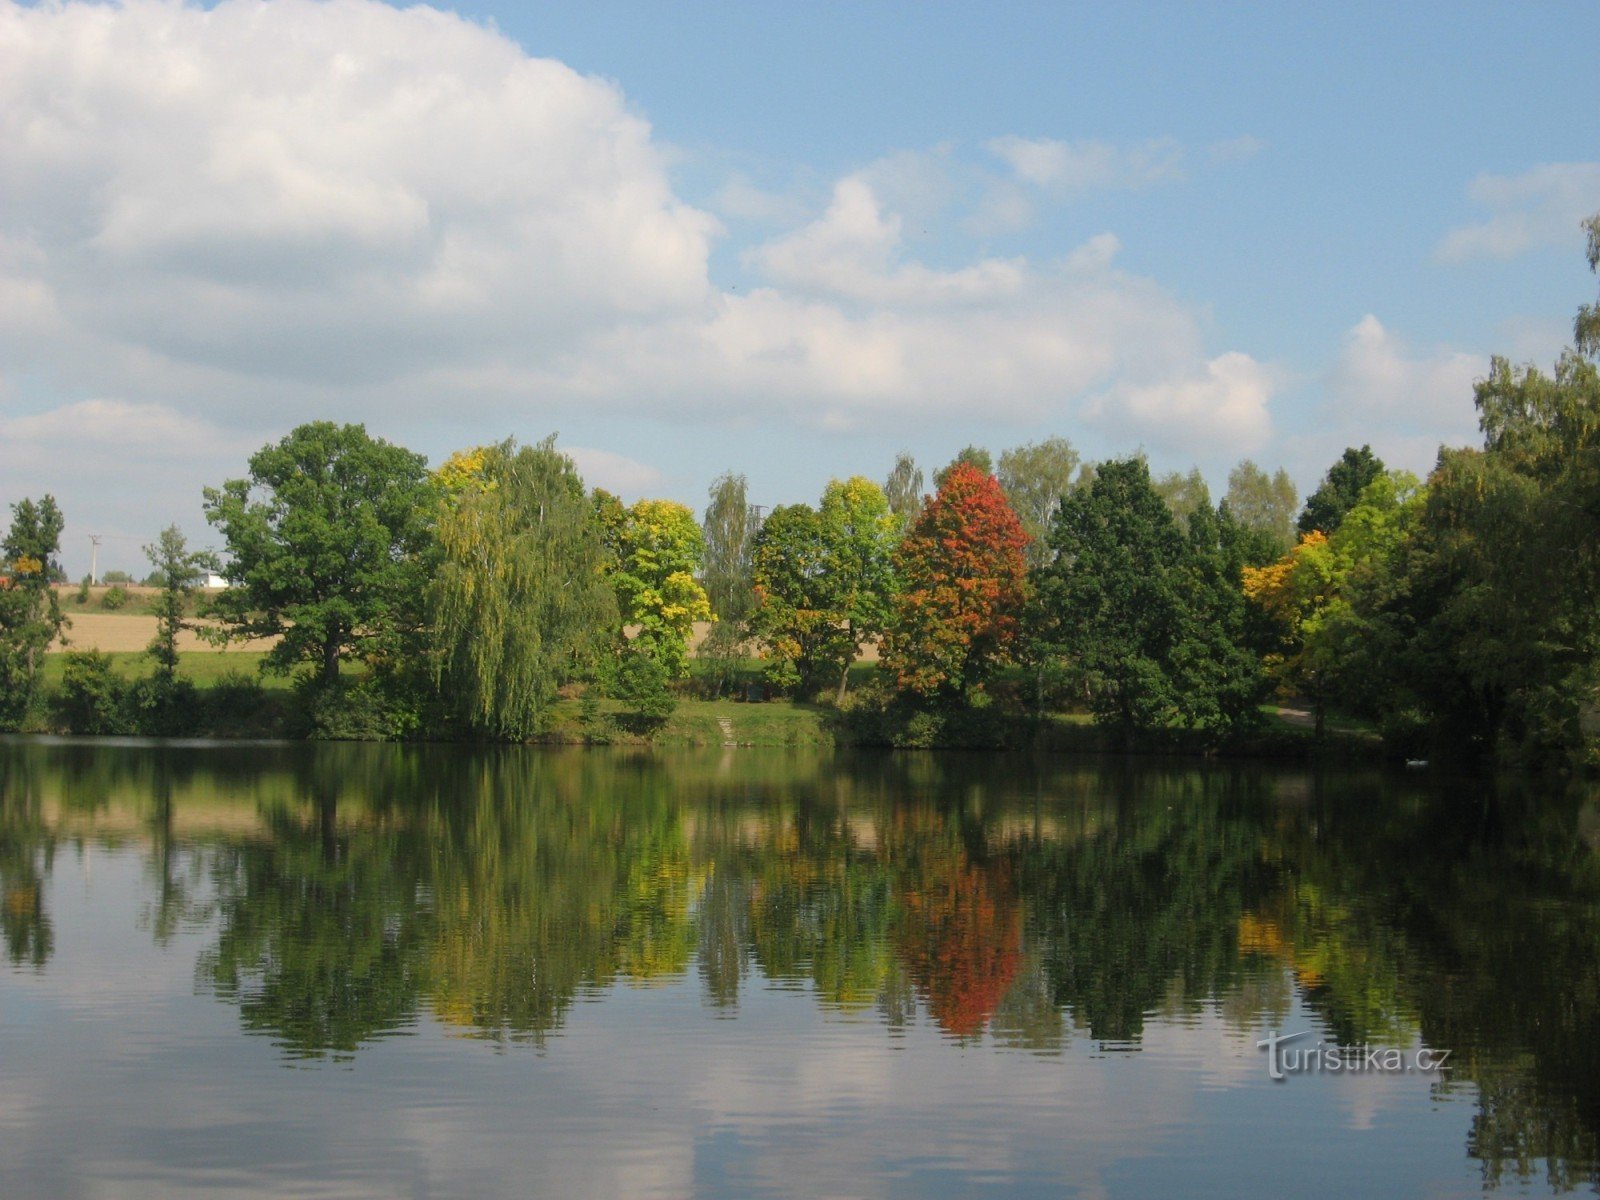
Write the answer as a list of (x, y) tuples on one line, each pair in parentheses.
[(434, 972)]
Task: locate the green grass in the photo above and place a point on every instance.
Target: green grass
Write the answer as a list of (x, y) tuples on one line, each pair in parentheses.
[(203, 667)]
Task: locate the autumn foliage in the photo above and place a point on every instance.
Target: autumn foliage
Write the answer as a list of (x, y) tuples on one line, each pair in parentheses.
[(963, 570)]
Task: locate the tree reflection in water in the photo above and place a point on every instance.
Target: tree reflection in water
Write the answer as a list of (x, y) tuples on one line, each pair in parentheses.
[(350, 892)]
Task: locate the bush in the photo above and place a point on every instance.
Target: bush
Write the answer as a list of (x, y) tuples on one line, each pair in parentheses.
[(879, 717), (92, 699), (83, 591), (641, 682), (365, 710), (234, 704), (114, 598), (157, 706)]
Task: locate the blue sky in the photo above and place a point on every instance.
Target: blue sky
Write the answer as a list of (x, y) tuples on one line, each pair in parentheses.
[(788, 240)]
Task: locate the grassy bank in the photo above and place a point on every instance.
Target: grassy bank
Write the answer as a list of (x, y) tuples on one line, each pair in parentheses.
[(203, 668), (236, 700)]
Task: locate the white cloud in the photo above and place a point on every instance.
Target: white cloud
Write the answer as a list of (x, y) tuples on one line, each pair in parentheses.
[(1540, 207), (1088, 165), (253, 214), (335, 190), (120, 469), (1378, 376), (1224, 402), (1405, 402), (612, 471)]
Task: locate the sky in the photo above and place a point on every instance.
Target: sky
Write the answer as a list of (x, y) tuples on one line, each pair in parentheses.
[(787, 240)]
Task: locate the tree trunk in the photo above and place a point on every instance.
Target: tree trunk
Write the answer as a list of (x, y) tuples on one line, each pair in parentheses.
[(330, 661)]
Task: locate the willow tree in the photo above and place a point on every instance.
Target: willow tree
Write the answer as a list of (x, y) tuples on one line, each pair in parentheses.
[(519, 603)]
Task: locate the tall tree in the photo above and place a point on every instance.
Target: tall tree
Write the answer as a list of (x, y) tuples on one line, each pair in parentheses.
[(975, 457), (1586, 326), (1034, 478), (903, 489), (30, 612), (825, 579), (519, 603), (1149, 614), (859, 536), (1265, 503), (326, 542), (796, 615), (962, 588), (1340, 490), (655, 582), (179, 573), (1324, 595), (1183, 493), (729, 532)]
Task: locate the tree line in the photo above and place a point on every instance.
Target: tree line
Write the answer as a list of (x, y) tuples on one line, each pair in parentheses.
[(1458, 610)]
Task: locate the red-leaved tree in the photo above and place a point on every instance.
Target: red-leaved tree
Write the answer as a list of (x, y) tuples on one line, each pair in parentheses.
[(963, 576)]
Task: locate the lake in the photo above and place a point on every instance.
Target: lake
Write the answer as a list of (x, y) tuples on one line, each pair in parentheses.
[(297, 970)]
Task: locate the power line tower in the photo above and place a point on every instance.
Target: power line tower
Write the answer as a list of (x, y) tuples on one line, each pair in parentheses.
[(94, 558)]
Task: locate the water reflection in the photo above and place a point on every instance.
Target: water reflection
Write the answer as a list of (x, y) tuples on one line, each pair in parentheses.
[(346, 894)]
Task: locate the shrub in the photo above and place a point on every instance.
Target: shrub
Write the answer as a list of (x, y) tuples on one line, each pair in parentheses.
[(641, 682), (92, 698), (158, 706), (114, 598), (365, 710)]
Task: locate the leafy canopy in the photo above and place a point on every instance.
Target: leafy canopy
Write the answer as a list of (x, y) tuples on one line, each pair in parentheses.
[(962, 588), (519, 603), (326, 541), (30, 612)]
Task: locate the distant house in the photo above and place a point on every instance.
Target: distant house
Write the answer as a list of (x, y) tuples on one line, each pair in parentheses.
[(214, 581)]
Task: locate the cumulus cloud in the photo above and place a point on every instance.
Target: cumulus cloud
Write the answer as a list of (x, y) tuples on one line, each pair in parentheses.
[(612, 471), (255, 213), (1540, 207), (324, 190), (120, 468), (1419, 398), (851, 332)]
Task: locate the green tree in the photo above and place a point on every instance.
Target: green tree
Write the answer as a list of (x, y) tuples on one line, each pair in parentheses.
[(1184, 494), (326, 542), (1034, 478), (519, 602), (658, 554), (1149, 614), (1586, 326), (729, 529), (1339, 490), (30, 611), (825, 580), (729, 533), (859, 537), (903, 489), (179, 572), (1264, 503), (796, 616), (975, 457), (1325, 597)]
